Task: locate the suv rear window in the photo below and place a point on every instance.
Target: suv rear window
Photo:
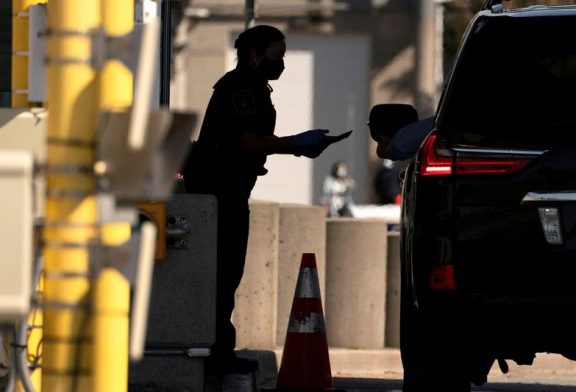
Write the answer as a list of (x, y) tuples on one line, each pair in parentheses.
[(515, 83)]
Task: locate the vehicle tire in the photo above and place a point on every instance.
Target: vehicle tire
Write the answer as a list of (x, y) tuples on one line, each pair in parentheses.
[(430, 362)]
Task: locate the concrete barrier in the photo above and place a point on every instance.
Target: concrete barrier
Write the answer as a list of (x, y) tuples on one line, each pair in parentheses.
[(356, 282), (279, 234), (359, 276), (393, 291), (255, 309), (302, 229)]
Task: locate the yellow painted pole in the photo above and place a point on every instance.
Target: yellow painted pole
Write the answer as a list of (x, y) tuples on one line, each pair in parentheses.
[(20, 25), (70, 213), (116, 79), (112, 290)]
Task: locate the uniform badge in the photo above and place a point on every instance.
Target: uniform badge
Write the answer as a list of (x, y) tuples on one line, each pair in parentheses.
[(244, 102)]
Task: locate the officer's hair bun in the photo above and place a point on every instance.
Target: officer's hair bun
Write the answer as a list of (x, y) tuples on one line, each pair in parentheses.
[(258, 37)]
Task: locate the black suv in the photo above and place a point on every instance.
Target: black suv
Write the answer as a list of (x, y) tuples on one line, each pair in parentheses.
[(488, 226)]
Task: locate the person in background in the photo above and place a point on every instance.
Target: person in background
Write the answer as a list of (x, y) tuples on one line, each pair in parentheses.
[(337, 191), (387, 183), (236, 136)]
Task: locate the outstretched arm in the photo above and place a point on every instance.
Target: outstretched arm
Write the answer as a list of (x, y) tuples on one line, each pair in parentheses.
[(267, 144), (310, 143)]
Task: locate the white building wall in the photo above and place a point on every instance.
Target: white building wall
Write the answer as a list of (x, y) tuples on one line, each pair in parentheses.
[(325, 85), (289, 179)]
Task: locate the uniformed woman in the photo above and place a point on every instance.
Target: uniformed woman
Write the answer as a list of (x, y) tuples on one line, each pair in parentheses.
[(235, 138)]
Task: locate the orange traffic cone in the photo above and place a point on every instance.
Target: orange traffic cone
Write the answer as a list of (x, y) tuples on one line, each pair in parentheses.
[(305, 364)]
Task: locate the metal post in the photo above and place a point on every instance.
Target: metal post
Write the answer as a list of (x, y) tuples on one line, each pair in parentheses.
[(439, 51), (19, 55), (70, 211), (425, 58), (249, 19), (165, 53), (20, 51), (20, 25)]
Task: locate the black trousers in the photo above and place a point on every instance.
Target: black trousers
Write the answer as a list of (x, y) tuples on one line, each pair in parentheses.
[(233, 226)]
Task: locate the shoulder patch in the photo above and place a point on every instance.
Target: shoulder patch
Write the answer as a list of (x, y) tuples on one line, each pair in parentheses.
[(244, 102)]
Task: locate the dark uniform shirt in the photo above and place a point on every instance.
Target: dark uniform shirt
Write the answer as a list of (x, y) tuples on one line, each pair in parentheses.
[(387, 182), (217, 163)]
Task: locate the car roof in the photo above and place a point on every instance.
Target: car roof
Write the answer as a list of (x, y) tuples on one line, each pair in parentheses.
[(552, 59), (532, 11)]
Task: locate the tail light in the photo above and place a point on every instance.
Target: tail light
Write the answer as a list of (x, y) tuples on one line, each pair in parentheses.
[(490, 165), (434, 164)]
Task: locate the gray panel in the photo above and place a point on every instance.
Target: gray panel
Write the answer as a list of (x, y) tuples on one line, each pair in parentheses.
[(5, 49), (5, 97), (183, 299), (167, 373)]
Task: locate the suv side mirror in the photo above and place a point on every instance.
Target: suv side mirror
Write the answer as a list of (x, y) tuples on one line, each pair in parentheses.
[(386, 119)]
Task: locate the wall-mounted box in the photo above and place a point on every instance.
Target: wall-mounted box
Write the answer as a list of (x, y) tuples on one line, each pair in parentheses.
[(16, 234)]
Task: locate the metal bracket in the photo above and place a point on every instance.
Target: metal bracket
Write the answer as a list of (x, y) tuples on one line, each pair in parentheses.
[(125, 48), (109, 212), (177, 230), (133, 175), (125, 258), (122, 257)]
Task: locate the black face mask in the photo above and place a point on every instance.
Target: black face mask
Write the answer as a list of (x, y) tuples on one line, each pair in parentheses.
[(272, 69)]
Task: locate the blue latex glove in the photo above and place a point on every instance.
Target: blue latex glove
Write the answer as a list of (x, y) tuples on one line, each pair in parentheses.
[(310, 143)]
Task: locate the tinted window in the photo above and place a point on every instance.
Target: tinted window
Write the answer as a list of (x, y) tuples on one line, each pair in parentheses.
[(515, 83)]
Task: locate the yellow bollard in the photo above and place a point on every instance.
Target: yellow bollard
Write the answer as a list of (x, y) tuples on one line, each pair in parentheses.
[(115, 79), (112, 290), (70, 213)]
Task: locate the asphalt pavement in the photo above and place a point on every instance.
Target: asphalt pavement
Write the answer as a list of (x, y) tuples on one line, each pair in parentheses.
[(381, 371), (547, 368), (383, 385)]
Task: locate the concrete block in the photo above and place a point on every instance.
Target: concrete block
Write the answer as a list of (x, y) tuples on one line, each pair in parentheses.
[(265, 376), (356, 282), (183, 298), (393, 291), (230, 383), (255, 311), (302, 230)]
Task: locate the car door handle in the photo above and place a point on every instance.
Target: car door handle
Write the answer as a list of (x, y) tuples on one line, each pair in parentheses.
[(537, 197)]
